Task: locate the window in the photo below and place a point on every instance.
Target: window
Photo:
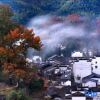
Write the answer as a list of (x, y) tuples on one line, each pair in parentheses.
[(96, 62), (78, 77), (96, 66)]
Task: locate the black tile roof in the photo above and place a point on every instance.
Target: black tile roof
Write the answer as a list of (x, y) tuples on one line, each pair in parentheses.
[(61, 92), (60, 59), (69, 97), (93, 75), (78, 94), (95, 89)]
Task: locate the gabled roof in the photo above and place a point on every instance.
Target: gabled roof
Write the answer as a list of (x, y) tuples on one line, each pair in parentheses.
[(59, 59), (64, 90), (46, 65), (64, 79), (69, 97), (77, 54), (87, 59), (59, 91), (89, 78), (78, 94), (95, 89)]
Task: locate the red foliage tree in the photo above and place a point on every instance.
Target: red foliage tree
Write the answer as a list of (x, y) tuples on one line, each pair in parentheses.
[(13, 54)]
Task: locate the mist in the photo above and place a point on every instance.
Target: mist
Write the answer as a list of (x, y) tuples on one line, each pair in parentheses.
[(56, 30)]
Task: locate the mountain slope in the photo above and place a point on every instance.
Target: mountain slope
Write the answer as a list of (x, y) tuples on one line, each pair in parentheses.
[(26, 9)]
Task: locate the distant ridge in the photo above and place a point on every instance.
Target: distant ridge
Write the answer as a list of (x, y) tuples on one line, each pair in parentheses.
[(26, 9)]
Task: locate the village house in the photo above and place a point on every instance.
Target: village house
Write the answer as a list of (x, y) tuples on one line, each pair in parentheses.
[(60, 60), (65, 82), (92, 80), (81, 69), (78, 95), (96, 65), (76, 54)]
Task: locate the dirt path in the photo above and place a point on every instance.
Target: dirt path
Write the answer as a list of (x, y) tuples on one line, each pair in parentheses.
[(5, 89)]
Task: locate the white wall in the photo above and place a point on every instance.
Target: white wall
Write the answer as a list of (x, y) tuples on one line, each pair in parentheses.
[(77, 54), (98, 82), (89, 84), (78, 98), (82, 69), (96, 62), (63, 68), (67, 83)]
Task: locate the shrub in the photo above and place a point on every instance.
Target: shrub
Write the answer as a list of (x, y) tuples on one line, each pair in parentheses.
[(18, 95), (35, 85)]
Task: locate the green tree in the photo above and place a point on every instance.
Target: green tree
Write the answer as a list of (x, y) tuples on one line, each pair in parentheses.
[(18, 95), (35, 85), (6, 22)]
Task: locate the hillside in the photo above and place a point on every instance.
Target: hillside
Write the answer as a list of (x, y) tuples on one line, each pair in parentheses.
[(26, 9)]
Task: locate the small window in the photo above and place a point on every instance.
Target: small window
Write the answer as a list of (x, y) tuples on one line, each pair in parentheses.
[(78, 77), (92, 68), (96, 62), (96, 66)]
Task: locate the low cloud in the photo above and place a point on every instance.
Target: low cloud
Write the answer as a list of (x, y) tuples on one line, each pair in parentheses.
[(54, 30)]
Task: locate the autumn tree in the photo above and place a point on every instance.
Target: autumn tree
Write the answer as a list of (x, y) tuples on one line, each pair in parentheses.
[(13, 52)]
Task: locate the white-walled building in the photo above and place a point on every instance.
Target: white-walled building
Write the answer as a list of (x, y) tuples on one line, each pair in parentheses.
[(92, 80), (77, 54), (96, 65), (57, 70), (81, 69), (34, 59), (89, 84), (66, 83), (37, 59), (31, 57), (78, 96)]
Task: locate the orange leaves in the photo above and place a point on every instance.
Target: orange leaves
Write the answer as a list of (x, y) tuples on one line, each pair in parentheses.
[(14, 47), (2, 51), (19, 49), (32, 40), (10, 53), (6, 52), (37, 39), (17, 71), (15, 33), (7, 37), (26, 36), (20, 73), (9, 67), (23, 34)]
